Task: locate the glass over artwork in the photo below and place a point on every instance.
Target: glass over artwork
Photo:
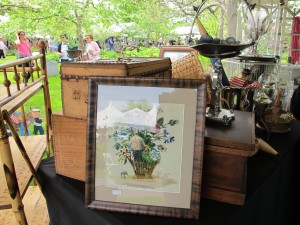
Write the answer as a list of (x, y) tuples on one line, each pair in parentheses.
[(145, 143), (139, 146)]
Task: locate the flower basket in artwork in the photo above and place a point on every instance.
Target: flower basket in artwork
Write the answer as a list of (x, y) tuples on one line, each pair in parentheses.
[(142, 146), (143, 169)]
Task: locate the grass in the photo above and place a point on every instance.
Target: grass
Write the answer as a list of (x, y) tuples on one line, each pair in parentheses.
[(37, 101)]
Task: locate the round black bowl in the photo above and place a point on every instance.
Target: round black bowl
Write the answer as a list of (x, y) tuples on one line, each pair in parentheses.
[(212, 50), (73, 54)]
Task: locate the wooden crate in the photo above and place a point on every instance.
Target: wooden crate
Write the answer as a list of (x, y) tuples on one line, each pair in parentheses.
[(74, 78), (225, 154)]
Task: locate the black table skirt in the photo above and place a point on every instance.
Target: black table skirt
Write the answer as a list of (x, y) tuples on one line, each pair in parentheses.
[(273, 194)]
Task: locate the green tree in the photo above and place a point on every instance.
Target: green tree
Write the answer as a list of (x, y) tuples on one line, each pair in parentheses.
[(147, 19), (54, 17)]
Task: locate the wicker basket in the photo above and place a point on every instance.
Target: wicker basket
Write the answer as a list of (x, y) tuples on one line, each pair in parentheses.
[(69, 137), (143, 169), (278, 120), (188, 67), (278, 125)]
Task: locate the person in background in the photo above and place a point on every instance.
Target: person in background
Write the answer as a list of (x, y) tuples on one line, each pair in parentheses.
[(92, 50), (62, 49), (295, 103), (52, 45), (160, 42), (46, 45), (111, 43), (23, 47), (3, 47)]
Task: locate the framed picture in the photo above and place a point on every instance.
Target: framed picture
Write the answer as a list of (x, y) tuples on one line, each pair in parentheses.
[(175, 52), (145, 145)]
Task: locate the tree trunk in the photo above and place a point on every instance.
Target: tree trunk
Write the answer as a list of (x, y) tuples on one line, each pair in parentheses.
[(79, 36)]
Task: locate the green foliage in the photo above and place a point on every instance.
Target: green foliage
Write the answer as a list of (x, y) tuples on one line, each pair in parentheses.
[(149, 52), (12, 52), (142, 52), (108, 54), (211, 22), (77, 18), (142, 104), (52, 56), (205, 62)]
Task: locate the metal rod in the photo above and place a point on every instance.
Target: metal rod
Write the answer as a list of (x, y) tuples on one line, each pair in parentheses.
[(196, 16)]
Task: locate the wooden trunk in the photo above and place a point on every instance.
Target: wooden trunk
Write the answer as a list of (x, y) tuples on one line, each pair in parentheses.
[(74, 78), (225, 154)]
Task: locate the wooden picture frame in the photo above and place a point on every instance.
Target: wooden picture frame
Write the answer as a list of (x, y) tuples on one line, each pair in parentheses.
[(145, 145), (175, 52)]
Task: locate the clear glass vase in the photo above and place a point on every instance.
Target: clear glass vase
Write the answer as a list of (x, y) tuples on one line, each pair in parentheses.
[(269, 85)]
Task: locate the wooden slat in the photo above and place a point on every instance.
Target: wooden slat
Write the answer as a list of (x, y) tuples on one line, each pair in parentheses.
[(223, 195), (20, 61), (35, 209), (14, 104), (20, 69), (35, 147)]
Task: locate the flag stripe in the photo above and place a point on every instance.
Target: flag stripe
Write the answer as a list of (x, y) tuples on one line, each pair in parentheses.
[(14, 119)]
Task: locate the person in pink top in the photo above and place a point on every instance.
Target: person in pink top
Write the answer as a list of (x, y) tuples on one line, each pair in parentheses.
[(92, 51), (23, 47)]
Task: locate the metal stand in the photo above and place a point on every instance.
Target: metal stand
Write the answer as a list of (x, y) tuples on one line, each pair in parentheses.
[(219, 51), (215, 112)]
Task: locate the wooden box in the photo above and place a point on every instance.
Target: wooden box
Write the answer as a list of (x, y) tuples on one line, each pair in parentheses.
[(225, 159), (74, 78), (225, 154)]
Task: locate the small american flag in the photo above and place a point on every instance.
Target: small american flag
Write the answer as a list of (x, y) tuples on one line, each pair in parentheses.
[(255, 84), (237, 82), (14, 119)]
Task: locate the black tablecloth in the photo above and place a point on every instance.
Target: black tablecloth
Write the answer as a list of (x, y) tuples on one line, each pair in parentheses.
[(273, 187)]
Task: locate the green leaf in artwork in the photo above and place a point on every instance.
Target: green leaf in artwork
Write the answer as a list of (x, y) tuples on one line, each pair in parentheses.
[(160, 121)]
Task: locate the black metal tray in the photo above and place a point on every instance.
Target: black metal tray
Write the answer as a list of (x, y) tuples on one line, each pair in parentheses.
[(261, 58), (212, 50)]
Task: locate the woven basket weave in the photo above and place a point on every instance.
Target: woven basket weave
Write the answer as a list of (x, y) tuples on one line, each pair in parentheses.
[(188, 67), (69, 138)]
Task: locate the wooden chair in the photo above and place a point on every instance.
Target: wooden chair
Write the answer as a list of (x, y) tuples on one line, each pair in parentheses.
[(109, 162), (20, 202)]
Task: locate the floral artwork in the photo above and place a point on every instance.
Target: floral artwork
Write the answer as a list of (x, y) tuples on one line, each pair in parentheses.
[(142, 147), (137, 133)]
